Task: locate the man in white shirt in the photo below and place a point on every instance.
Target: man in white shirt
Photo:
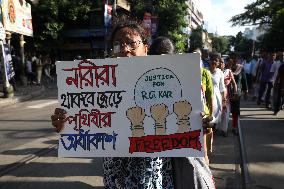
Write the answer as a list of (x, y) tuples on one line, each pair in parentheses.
[(276, 64), (256, 74), (274, 69)]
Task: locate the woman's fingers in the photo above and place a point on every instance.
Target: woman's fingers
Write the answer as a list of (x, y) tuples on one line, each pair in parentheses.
[(59, 128), (59, 111), (58, 124), (58, 119), (206, 121), (202, 114)]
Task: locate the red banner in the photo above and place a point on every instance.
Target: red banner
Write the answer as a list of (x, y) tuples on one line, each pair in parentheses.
[(159, 143)]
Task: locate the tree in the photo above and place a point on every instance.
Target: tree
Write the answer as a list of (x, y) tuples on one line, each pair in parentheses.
[(52, 17), (171, 18), (196, 38), (268, 14), (242, 44), (220, 44)]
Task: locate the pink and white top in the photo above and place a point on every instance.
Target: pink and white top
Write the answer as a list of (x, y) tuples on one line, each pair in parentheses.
[(228, 76)]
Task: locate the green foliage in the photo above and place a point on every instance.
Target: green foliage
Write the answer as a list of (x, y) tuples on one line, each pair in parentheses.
[(268, 13), (51, 17), (220, 44), (256, 13), (196, 39), (171, 18), (243, 44), (179, 40)]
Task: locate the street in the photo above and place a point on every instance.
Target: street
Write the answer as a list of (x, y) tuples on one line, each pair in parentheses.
[(25, 122), (264, 141), (28, 139)]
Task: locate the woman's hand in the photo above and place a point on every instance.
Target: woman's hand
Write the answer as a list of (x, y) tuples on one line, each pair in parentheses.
[(58, 119), (206, 122)]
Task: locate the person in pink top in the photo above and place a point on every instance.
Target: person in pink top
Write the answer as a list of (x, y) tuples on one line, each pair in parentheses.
[(230, 90)]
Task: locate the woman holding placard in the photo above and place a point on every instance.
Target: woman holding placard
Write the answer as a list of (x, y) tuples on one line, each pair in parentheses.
[(129, 39)]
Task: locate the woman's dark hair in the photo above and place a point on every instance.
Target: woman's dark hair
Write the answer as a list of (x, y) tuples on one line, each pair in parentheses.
[(233, 55), (161, 45), (214, 56), (133, 25)]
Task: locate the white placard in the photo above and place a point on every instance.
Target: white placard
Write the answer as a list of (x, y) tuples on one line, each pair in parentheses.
[(131, 107)]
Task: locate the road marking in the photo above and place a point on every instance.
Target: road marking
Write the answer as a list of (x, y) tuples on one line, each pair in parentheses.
[(42, 105)]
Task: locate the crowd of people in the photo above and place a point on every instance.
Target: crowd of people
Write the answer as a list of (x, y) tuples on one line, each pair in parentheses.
[(262, 78), (36, 67), (239, 76), (224, 81)]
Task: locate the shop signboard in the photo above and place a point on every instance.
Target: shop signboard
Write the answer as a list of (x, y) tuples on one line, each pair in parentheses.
[(17, 16)]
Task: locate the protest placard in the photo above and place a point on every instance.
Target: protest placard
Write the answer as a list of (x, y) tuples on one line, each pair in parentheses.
[(131, 107)]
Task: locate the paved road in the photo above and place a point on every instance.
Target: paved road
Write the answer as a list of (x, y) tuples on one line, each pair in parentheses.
[(26, 137), (49, 171), (264, 141), (24, 122)]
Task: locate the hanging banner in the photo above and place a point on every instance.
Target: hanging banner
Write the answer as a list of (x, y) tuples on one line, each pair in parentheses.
[(17, 16), (7, 60), (2, 32), (131, 107)]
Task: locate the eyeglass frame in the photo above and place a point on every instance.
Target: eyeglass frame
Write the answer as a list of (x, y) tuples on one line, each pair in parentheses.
[(132, 45)]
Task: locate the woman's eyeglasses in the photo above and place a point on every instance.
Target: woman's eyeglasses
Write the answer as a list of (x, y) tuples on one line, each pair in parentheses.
[(132, 45)]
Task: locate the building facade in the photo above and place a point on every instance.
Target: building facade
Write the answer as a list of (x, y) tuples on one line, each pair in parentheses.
[(92, 42), (195, 19)]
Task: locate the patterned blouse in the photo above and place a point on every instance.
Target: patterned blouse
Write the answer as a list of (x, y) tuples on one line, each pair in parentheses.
[(132, 173)]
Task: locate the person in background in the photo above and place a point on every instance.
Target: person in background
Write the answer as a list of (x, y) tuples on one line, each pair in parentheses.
[(219, 101), (240, 79), (190, 172), (253, 63), (207, 91), (207, 97), (16, 60), (37, 61), (161, 45), (266, 79), (205, 58), (257, 71), (279, 86), (29, 71), (230, 91), (274, 69), (47, 68), (247, 70)]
